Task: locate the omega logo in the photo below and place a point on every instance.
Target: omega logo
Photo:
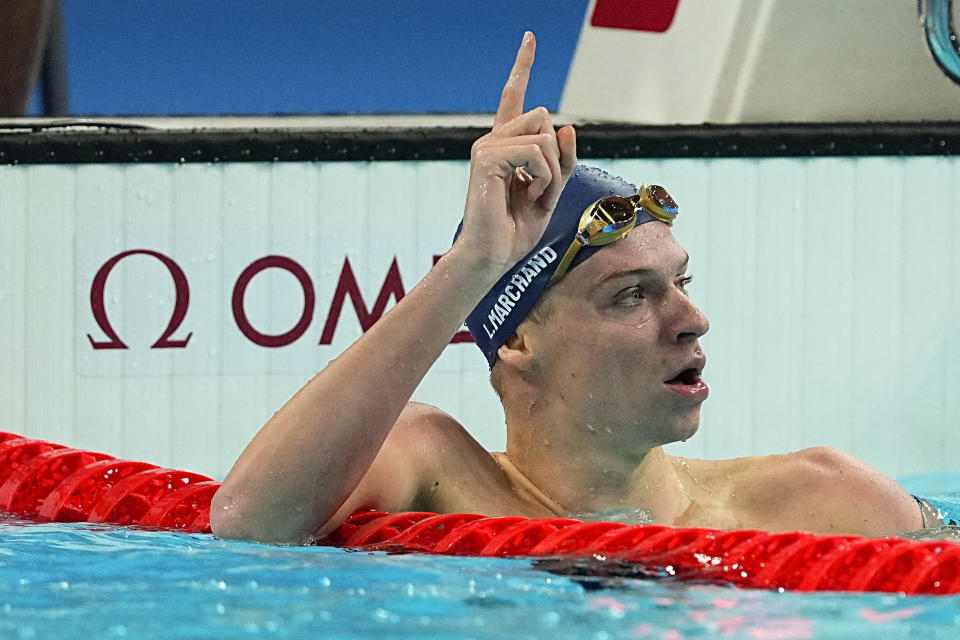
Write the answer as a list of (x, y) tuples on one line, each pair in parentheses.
[(99, 308), (347, 287)]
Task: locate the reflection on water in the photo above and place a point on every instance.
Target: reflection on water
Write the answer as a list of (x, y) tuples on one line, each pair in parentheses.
[(946, 532)]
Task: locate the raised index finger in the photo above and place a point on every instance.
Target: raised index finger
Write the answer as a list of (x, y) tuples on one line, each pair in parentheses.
[(511, 100)]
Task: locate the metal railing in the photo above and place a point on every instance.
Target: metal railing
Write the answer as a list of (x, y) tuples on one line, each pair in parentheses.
[(936, 17)]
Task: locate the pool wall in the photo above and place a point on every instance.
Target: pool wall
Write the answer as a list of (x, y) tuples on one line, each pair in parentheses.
[(163, 310)]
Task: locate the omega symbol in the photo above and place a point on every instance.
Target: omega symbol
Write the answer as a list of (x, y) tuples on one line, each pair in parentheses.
[(98, 305)]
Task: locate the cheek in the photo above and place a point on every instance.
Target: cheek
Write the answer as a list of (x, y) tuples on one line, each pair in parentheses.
[(572, 345), (636, 339), (574, 350), (635, 320), (623, 345)]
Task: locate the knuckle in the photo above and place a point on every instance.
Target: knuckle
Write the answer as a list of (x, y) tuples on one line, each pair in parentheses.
[(545, 116)]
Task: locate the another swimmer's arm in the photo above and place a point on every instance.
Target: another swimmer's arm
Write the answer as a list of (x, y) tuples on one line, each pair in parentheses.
[(312, 455)]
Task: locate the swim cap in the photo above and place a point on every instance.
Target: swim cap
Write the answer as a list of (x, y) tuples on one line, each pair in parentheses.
[(510, 300)]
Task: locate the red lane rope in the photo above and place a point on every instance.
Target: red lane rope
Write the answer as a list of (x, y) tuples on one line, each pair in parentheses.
[(50, 482)]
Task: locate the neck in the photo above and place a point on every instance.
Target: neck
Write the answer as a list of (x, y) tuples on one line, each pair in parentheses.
[(583, 467)]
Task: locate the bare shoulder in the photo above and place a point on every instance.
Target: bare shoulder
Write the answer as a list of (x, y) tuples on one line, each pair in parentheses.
[(823, 467), (422, 439), (455, 473), (440, 444), (426, 431), (835, 492), (815, 468), (426, 454)]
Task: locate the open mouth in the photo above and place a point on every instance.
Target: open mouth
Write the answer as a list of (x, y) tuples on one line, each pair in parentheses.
[(689, 384), (686, 377)]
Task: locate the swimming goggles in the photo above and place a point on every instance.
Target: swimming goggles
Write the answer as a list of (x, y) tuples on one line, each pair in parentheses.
[(610, 219)]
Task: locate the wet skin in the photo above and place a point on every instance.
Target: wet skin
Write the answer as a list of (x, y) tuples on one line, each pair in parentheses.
[(590, 398), (590, 393), (621, 326)]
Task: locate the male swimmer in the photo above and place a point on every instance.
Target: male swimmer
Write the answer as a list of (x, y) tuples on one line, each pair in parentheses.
[(575, 290)]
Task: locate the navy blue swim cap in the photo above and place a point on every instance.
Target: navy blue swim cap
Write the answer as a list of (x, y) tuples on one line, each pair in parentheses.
[(510, 300)]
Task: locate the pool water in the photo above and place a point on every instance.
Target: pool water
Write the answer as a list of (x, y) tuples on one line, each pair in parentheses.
[(94, 581)]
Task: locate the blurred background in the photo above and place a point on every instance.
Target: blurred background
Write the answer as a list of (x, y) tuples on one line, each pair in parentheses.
[(653, 61)]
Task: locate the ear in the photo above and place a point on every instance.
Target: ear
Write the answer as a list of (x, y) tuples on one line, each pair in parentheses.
[(516, 351)]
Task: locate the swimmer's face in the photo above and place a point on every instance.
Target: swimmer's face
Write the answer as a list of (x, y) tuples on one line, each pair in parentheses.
[(620, 342)]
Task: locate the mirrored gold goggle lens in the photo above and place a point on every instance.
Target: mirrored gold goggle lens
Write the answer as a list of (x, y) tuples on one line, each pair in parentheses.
[(610, 219), (658, 203)]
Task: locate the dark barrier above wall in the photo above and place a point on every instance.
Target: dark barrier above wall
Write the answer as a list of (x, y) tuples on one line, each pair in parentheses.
[(89, 141)]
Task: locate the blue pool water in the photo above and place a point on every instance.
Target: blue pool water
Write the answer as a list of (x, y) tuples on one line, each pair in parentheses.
[(86, 581)]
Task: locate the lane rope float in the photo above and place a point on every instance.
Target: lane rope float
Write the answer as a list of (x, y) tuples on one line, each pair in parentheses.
[(49, 482)]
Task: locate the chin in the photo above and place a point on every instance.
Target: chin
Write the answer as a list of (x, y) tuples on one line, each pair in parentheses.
[(686, 427), (685, 434)]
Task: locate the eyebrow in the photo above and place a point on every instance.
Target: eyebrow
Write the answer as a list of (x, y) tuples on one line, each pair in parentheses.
[(641, 272)]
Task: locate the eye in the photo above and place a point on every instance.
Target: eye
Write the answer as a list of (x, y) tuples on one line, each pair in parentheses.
[(630, 295), (683, 283)]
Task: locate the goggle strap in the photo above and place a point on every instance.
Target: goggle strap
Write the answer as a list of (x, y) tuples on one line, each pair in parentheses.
[(566, 261)]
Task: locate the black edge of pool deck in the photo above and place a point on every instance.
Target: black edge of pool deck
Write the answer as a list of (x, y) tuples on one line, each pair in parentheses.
[(114, 142)]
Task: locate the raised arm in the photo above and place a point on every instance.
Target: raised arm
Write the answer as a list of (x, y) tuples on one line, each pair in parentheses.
[(309, 458)]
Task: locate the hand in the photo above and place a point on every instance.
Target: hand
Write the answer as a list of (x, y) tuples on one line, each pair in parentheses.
[(517, 172)]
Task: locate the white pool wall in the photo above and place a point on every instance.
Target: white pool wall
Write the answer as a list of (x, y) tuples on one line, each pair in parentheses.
[(831, 285)]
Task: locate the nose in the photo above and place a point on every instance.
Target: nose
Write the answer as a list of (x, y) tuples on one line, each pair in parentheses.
[(687, 322)]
